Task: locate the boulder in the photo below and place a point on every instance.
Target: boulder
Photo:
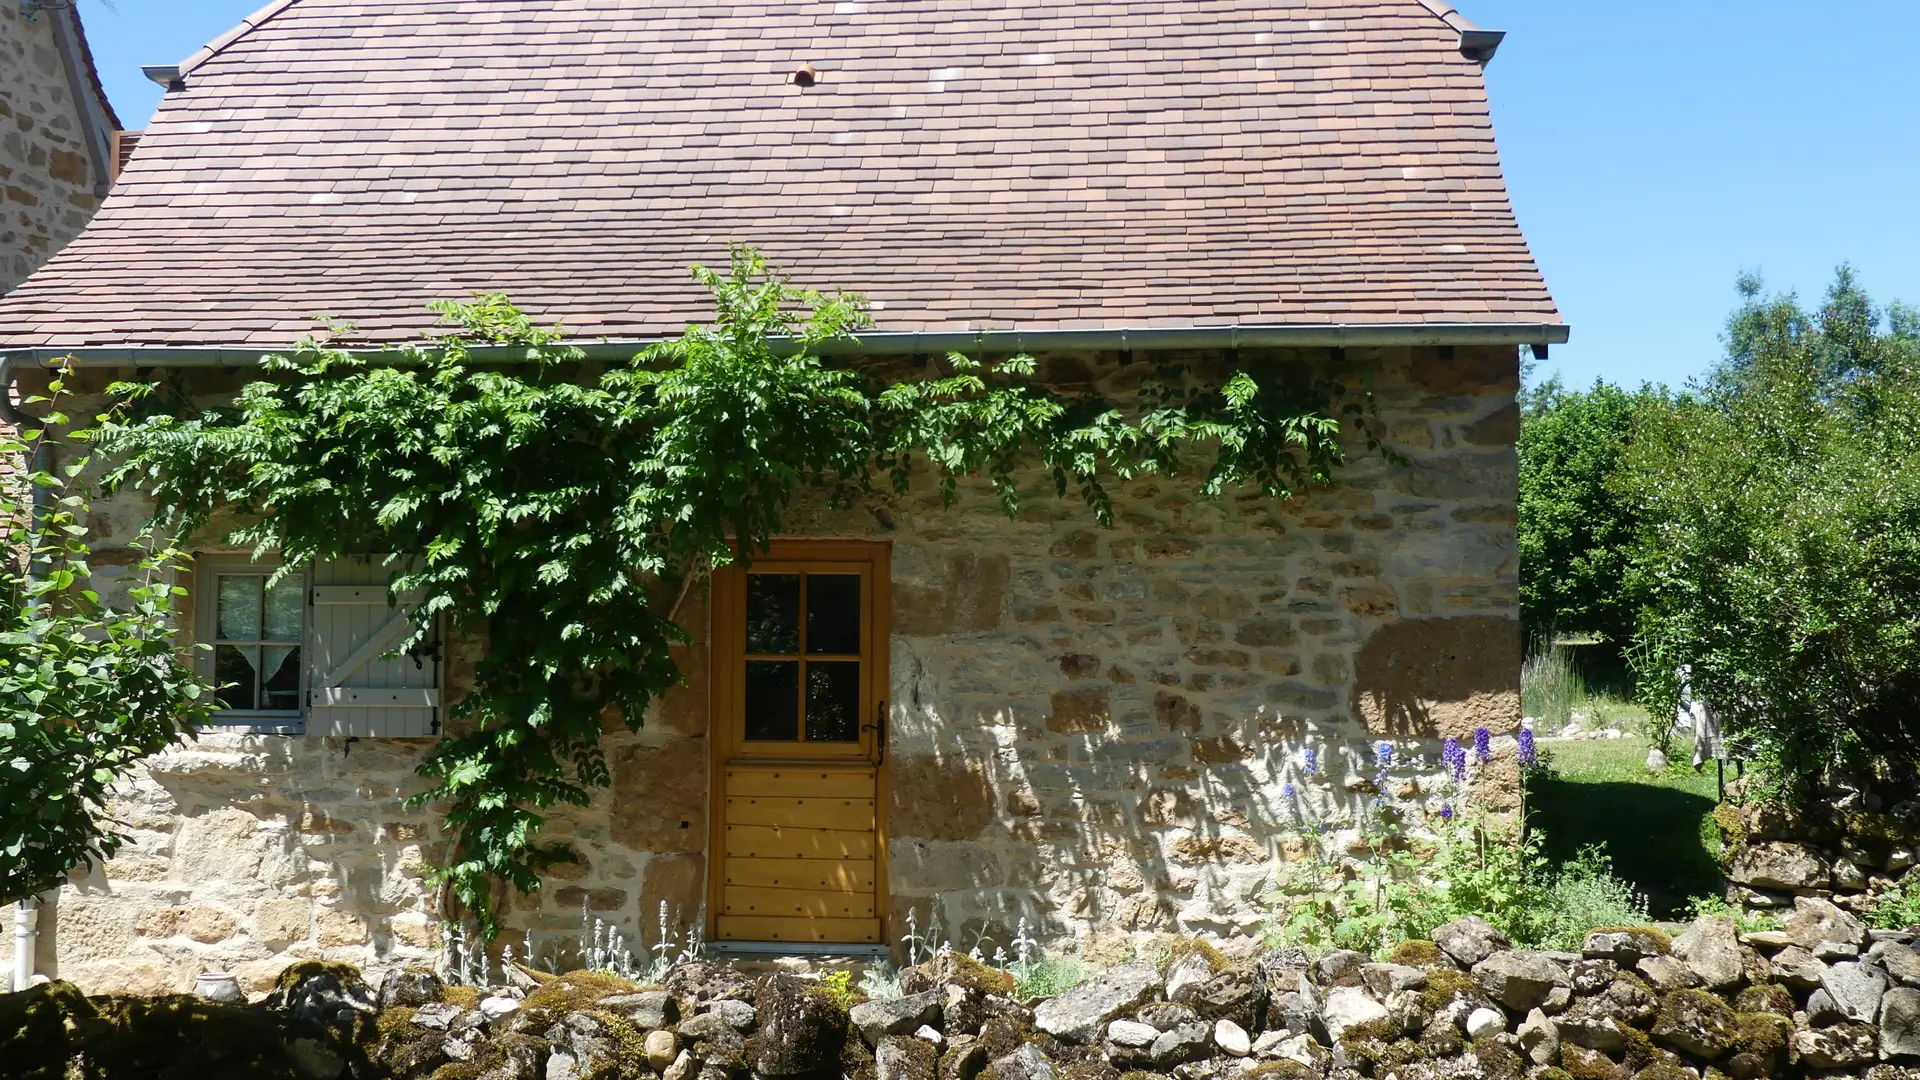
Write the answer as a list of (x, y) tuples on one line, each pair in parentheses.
[(1166, 1015), (410, 989), (802, 1031), (1188, 1042), (1539, 1039), (1082, 1013), (1593, 1030), (1796, 966), (648, 1009), (323, 994), (1232, 1039), (737, 1015), (1292, 1013), (437, 1015), (1232, 994), (699, 982), (964, 1058), (1484, 1022), (903, 1057), (1779, 865), (1519, 980), (706, 1027), (1901, 962), (1711, 950), (1187, 973), (1841, 1047), (1131, 1034), (585, 1042), (1815, 922), (1626, 946), (1348, 1006), (881, 1017), (1696, 1023), (1384, 979), (1856, 989), (1338, 967), (954, 969), (498, 1006), (1025, 1063), (1823, 1011), (661, 1048), (1665, 973), (1591, 976), (1900, 1023), (1469, 940)]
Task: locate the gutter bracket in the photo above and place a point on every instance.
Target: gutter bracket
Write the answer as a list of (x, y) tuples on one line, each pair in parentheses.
[(1480, 45)]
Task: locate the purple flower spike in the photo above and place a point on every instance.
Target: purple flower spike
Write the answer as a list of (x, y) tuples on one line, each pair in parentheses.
[(1454, 757), (1287, 791), (1446, 812), (1482, 745), (1383, 755), (1312, 765), (1528, 757)]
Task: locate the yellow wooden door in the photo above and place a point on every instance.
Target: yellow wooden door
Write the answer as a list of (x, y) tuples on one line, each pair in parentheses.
[(800, 682)]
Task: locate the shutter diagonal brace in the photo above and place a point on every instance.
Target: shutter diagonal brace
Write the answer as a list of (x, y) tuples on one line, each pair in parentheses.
[(371, 648)]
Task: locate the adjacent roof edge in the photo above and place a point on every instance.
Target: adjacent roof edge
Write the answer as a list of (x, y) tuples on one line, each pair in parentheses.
[(98, 121), (1475, 43), (1345, 335), (219, 45)]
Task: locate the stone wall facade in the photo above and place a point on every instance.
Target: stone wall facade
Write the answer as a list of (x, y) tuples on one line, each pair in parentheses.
[(1094, 730), (47, 176)]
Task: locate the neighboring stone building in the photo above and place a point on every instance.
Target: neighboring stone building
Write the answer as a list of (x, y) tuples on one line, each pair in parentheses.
[(57, 135), (1095, 730)]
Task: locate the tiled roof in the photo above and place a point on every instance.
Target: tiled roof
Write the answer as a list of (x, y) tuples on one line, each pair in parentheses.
[(968, 164)]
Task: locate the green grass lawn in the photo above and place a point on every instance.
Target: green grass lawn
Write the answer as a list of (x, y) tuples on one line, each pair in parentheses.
[(1658, 829)]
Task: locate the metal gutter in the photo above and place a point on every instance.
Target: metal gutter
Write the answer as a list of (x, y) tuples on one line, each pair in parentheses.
[(1475, 44), (1337, 336)]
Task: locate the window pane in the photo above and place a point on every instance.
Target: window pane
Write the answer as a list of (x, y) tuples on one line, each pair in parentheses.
[(773, 700), (236, 669), (239, 607), (833, 613), (282, 688), (285, 602), (833, 701), (773, 613)]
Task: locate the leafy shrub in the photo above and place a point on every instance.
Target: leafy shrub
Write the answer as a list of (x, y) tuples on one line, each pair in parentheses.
[(1049, 975), (1574, 531), (1898, 909), (1778, 541)]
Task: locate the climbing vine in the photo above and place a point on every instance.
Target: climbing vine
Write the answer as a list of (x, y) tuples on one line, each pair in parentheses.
[(554, 508)]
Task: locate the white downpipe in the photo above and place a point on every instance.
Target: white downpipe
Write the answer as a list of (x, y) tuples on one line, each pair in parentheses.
[(26, 920)]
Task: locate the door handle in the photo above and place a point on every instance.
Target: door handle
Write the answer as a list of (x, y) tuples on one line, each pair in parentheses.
[(879, 728)]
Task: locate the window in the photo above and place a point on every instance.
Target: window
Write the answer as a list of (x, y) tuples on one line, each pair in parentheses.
[(257, 628)]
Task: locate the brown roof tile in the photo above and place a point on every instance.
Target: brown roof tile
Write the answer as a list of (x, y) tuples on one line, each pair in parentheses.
[(1077, 164)]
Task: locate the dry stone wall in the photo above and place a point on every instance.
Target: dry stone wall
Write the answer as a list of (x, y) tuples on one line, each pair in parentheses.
[(1094, 730)]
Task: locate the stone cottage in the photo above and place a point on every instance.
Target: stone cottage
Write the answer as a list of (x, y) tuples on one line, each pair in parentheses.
[(1102, 732)]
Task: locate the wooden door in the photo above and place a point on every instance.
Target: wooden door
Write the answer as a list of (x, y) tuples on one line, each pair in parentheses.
[(799, 689)]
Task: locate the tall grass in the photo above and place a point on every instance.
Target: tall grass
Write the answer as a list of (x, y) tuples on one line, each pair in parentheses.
[(1550, 685)]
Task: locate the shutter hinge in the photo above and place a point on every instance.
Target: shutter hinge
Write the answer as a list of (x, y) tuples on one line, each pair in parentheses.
[(434, 725)]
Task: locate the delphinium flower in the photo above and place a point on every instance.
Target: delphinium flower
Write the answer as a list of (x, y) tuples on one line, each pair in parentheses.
[(1446, 811), (1528, 757), (1382, 760), (1482, 745), (1312, 761), (1288, 793), (1454, 757)]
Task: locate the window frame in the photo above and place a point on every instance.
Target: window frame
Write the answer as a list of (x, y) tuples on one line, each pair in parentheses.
[(207, 571)]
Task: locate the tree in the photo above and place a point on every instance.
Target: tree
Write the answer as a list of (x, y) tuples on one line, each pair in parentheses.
[(87, 688), (1574, 530), (1778, 541), (557, 508)]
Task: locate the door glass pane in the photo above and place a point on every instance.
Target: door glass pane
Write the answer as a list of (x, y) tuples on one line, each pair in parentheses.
[(284, 604), (282, 687), (833, 614), (236, 670), (239, 608), (773, 613), (773, 700), (833, 701)]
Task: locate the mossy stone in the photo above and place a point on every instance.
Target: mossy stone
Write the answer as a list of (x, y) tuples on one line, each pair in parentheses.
[(1445, 984), (574, 992), (1765, 998), (34, 1029), (1419, 952), (1497, 1061)]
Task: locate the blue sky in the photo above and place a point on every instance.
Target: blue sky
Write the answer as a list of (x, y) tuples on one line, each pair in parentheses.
[(1655, 149)]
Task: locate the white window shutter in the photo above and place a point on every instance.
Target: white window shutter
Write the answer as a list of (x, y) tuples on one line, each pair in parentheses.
[(353, 688)]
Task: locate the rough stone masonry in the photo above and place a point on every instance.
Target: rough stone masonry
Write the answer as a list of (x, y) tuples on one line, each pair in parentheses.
[(1093, 729)]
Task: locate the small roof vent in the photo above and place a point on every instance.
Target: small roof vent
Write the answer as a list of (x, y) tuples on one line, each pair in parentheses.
[(804, 75)]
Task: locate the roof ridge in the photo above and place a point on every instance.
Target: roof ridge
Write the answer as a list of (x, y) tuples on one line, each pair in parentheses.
[(247, 25), (1475, 43)]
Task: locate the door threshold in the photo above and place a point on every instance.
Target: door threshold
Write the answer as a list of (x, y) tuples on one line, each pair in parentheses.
[(812, 949)]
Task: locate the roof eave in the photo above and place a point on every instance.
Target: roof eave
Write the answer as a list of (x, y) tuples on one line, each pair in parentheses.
[(897, 343)]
